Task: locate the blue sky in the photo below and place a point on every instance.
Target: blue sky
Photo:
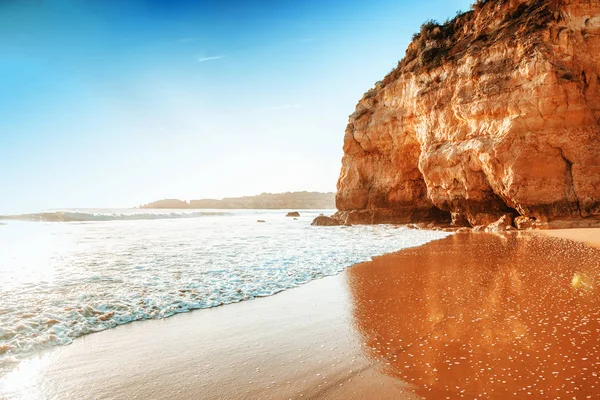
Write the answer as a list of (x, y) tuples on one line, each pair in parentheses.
[(116, 103)]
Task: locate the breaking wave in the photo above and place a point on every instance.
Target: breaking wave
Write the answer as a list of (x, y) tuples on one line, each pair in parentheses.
[(62, 281)]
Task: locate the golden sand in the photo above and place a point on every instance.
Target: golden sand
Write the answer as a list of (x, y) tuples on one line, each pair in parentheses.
[(471, 316), (590, 236)]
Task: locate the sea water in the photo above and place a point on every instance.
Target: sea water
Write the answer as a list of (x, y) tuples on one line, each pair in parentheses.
[(70, 273)]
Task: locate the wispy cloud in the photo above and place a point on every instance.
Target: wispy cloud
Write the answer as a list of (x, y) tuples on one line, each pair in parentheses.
[(205, 59)]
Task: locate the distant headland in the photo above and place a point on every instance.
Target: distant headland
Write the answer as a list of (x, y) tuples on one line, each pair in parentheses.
[(295, 200)]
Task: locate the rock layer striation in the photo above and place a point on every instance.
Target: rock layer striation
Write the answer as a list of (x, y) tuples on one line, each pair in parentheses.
[(493, 114)]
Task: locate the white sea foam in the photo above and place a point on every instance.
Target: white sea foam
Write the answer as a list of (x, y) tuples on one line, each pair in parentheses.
[(63, 280)]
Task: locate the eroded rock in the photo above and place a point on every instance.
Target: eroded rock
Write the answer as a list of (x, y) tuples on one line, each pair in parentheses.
[(525, 223), (322, 220), (495, 113), (503, 224)]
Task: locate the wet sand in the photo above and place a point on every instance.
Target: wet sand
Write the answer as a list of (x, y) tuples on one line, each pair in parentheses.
[(297, 344), (590, 236), (475, 315)]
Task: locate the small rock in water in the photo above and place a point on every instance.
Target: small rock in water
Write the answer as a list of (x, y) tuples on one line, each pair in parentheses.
[(325, 221), (261, 220), (293, 214)]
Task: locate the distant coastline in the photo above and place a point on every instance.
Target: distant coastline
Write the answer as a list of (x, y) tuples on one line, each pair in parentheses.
[(289, 200)]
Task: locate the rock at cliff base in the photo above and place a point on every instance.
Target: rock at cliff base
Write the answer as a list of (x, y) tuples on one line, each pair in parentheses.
[(325, 221), (526, 223), (503, 224), (293, 214)]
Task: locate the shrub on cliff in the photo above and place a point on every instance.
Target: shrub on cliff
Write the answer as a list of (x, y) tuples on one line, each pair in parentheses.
[(436, 43), (478, 5)]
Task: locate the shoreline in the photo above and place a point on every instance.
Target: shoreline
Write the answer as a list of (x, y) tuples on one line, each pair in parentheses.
[(11, 359), (194, 355), (418, 322)]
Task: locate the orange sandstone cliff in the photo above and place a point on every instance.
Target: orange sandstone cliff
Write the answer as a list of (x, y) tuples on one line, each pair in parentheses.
[(495, 114)]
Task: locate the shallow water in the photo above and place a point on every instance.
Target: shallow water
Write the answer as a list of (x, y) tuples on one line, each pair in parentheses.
[(61, 280)]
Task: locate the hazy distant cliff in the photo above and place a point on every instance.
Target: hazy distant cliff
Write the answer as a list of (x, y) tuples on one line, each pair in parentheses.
[(294, 200), (495, 112)]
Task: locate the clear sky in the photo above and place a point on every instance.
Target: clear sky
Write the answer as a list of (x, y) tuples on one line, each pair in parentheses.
[(116, 103)]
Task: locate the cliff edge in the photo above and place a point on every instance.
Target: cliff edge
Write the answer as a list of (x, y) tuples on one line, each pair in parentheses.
[(495, 113)]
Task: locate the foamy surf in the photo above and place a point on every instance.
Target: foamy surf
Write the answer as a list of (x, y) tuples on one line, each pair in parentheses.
[(62, 281)]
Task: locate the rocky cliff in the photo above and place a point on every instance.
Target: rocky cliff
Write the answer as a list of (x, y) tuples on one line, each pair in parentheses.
[(494, 113)]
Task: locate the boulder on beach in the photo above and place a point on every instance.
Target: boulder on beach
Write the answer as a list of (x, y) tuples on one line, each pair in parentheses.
[(503, 224), (293, 214), (322, 220)]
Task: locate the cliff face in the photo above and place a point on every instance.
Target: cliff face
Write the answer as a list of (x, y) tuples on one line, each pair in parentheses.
[(495, 112)]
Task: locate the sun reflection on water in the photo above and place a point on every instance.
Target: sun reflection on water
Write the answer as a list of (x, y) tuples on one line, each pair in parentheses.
[(26, 379), (29, 253)]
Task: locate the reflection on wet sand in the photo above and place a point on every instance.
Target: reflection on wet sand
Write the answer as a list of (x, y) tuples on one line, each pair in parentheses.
[(484, 316)]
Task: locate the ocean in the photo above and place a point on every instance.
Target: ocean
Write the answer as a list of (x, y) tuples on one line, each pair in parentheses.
[(68, 273)]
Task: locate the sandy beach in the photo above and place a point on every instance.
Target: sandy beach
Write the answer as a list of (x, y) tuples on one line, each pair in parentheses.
[(475, 315), (591, 236), (328, 200)]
